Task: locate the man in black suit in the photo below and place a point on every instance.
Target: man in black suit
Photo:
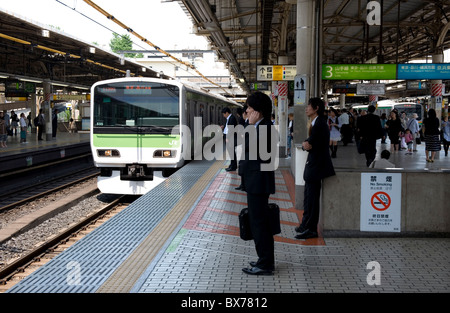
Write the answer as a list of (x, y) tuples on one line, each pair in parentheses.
[(243, 120), (318, 166), (370, 130), (259, 182), (231, 121)]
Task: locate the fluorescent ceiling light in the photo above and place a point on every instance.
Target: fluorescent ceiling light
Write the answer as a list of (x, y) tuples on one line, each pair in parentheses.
[(31, 80)]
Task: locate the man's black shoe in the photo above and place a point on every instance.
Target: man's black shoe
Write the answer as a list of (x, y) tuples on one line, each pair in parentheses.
[(228, 169), (257, 271), (253, 264), (299, 229), (307, 234)]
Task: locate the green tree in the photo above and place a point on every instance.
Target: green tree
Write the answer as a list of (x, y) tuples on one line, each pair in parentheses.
[(121, 43)]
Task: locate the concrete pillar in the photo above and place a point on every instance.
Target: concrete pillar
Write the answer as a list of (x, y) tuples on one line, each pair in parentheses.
[(436, 93), (282, 109), (282, 116), (47, 109), (436, 88), (373, 99), (34, 111), (341, 100), (306, 63)]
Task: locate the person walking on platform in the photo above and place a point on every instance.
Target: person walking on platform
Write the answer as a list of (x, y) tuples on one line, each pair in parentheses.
[(3, 131), (41, 123), (54, 123), (446, 134), (369, 131), (346, 129), (290, 135), (404, 120), (231, 120), (383, 120), (334, 126), (413, 126), (394, 129), (14, 122), (23, 128), (29, 120), (431, 133), (318, 166), (259, 184)]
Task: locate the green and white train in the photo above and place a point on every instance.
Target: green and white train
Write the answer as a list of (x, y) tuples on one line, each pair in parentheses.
[(137, 129)]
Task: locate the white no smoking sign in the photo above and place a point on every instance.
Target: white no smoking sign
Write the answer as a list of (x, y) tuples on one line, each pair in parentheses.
[(381, 202)]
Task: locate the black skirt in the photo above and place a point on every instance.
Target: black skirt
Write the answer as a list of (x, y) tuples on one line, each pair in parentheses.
[(432, 143)]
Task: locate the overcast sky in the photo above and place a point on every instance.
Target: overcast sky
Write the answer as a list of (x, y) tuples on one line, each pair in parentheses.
[(164, 24)]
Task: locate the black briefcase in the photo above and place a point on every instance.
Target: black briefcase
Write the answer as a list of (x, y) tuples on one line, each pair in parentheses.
[(245, 231), (274, 210)]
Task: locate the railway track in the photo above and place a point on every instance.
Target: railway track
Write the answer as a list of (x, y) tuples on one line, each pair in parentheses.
[(31, 192), (19, 269)]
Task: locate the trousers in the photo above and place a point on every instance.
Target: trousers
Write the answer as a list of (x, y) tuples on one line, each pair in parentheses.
[(258, 210), (311, 205)]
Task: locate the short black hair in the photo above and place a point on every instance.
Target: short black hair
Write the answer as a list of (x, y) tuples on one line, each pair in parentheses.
[(260, 102), (371, 108), (317, 103), (385, 154), (226, 110)]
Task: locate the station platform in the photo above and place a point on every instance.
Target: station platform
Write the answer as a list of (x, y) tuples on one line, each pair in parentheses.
[(182, 238), (33, 152)]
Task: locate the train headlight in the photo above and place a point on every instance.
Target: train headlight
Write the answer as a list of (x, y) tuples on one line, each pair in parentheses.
[(164, 154), (108, 153)]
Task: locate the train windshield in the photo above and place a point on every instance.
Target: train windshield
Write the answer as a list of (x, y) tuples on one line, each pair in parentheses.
[(409, 109), (146, 105)]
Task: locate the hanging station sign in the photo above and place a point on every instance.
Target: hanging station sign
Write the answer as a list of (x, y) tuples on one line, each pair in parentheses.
[(358, 71), (276, 72)]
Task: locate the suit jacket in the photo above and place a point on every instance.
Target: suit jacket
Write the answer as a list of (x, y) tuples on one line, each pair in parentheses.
[(318, 164), (232, 121), (255, 180), (370, 126)]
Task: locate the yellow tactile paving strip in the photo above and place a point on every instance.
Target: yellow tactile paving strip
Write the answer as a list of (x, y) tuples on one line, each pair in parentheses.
[(126, 275)]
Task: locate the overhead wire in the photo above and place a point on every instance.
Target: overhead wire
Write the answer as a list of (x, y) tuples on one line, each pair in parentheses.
[(143, 39), (24, 42), (109, 29)]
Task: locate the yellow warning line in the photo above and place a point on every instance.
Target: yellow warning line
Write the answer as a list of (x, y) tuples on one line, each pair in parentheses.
[(126, 275)]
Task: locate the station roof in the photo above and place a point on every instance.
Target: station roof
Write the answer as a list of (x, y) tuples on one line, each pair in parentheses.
[(29, 50), (245, 33)]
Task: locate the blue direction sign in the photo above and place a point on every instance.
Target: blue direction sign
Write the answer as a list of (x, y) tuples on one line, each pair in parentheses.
[(423, 71)]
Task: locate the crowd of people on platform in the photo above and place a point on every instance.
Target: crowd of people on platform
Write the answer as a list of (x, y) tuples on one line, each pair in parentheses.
[(404, 133), (365, 127), (12, 125)]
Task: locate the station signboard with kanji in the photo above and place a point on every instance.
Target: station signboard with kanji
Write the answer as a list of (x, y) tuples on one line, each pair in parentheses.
[(381, 202)]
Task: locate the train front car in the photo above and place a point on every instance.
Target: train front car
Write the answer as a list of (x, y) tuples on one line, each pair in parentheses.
[(134, 137)]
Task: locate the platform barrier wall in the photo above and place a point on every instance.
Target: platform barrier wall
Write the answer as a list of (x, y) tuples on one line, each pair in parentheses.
[(424, 202)]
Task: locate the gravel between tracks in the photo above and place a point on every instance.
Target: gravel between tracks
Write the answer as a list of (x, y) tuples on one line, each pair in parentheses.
[(22, 244)]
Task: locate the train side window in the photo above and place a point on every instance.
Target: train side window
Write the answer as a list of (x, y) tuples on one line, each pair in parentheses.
[(211, 114), (219, 115)]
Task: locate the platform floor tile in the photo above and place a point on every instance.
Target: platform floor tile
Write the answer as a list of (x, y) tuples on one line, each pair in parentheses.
[(204, 262)]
